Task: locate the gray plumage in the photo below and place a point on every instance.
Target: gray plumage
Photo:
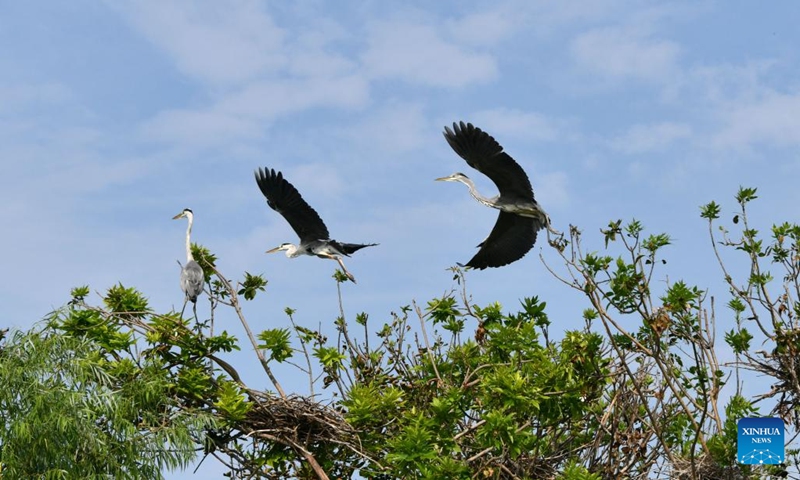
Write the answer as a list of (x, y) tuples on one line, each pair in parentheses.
[(521, 217), (315, 240), (192, 276), (192, 280)]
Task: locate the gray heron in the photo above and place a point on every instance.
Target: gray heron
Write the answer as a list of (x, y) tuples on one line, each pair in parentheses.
[(304, 220), (192, 276), (521, 217)]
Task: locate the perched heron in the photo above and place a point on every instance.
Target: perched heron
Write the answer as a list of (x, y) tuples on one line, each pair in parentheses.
[(304, 220), (192, 276), (521, 217)]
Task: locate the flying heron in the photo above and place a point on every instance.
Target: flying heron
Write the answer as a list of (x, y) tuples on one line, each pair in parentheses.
[(521, 217), (304, 220), (192, 276)]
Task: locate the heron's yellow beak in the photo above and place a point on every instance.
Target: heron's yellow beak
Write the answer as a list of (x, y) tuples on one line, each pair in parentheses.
[(273, 250), (180, 215), (442, 179)]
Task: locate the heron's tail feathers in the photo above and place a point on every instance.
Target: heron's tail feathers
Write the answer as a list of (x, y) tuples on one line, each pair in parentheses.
[(348, 248)]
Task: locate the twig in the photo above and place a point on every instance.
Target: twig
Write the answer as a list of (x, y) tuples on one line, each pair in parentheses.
[(240, 314), (427, 344)]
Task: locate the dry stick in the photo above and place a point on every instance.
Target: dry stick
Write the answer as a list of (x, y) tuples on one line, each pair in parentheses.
[(235, 304), (427, 345), (729, 281), (664, 370), (729, 278), (469, 429), (509, 472), (711, 328), (351, 348), (302, 451), (766, 302), (604, 316), (698, 434), (607, 319), (311, 461), (479, 454), (308, 359)]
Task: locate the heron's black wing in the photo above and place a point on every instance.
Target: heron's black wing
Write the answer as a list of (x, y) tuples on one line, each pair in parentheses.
[(286, 200), (511, 238), (483, 153)]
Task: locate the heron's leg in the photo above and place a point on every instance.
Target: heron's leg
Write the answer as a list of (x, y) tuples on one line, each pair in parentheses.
[(194, 310), (554, 231), (185, 299), (341, 264)]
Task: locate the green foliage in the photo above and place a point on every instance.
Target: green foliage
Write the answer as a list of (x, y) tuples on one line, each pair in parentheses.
[(443, 311), (745, 195), (710, 211), (206, 260), (277, 342), (331, 359), (232, 403), (451, 409), (79, 294), (461, 391), (723, 445), (340, 276), (92, 419), (125, 301), (575, 471), (251, 285), (739, 340)]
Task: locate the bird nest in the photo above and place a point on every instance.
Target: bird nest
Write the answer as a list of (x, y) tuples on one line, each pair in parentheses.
[(297, 421), (783, 365), (705, 468)]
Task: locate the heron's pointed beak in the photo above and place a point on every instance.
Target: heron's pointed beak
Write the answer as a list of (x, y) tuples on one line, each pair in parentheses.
[(178, 216), (273, 250), (441, 179)]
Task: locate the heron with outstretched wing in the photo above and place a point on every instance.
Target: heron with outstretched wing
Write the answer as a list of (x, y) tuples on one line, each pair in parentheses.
[(315, 240), (521, 216)]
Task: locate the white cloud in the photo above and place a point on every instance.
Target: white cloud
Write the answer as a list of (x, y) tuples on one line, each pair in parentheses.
[(625, 53), (198, 128), (417, 54), (316, 50), (220, 42), (719, 83), (317, 180), (485, 27), (269, 99), (647, 138), (395, 128), (773, 119), (244, 114)]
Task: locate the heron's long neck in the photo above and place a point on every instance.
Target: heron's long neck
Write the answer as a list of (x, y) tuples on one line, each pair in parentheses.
[(189, 257), (474, 192), (293, 251)]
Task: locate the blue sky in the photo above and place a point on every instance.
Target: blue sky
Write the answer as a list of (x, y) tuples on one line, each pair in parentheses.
[(116, 115)]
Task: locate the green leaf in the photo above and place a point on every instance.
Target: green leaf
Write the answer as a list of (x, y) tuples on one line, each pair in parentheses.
[(710, 211), (277, 342), (251, 285), (745, 195)]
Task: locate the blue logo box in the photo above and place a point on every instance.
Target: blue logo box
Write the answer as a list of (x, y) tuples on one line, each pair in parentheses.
[(760, 441)]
